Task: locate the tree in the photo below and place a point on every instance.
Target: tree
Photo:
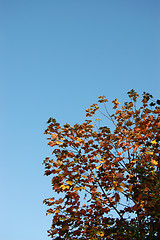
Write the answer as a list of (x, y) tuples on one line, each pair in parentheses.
[(107, 179)]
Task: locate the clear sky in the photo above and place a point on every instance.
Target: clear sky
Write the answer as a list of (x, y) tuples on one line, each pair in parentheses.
[(57, 57)]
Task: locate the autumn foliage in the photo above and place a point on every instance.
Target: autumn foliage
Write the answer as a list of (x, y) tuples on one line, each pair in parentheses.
[(106, 172)]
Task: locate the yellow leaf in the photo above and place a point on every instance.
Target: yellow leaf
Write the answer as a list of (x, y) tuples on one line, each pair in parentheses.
[(48, 213), (79, 139), (154, 162), (64, 187), (115, 182), (154, 142), (98, 167), (78, 188), (59, 163), (150, 153), (133, 161), (102, 160), (76, 159), (69, 182), (142, 203), (57, 211), (57, 142), (153, 172), (100, 233), (84, 176)]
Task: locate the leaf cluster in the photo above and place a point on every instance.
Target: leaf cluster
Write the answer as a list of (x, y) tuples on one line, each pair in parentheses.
[(107, 179)]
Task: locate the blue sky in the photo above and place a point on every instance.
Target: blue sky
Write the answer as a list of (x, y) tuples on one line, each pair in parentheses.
[(56, 58)]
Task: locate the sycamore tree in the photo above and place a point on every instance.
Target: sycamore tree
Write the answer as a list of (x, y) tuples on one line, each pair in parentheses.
[(105, 172)]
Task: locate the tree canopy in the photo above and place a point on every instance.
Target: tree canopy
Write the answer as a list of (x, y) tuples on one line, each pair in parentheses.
[(106, 172)]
